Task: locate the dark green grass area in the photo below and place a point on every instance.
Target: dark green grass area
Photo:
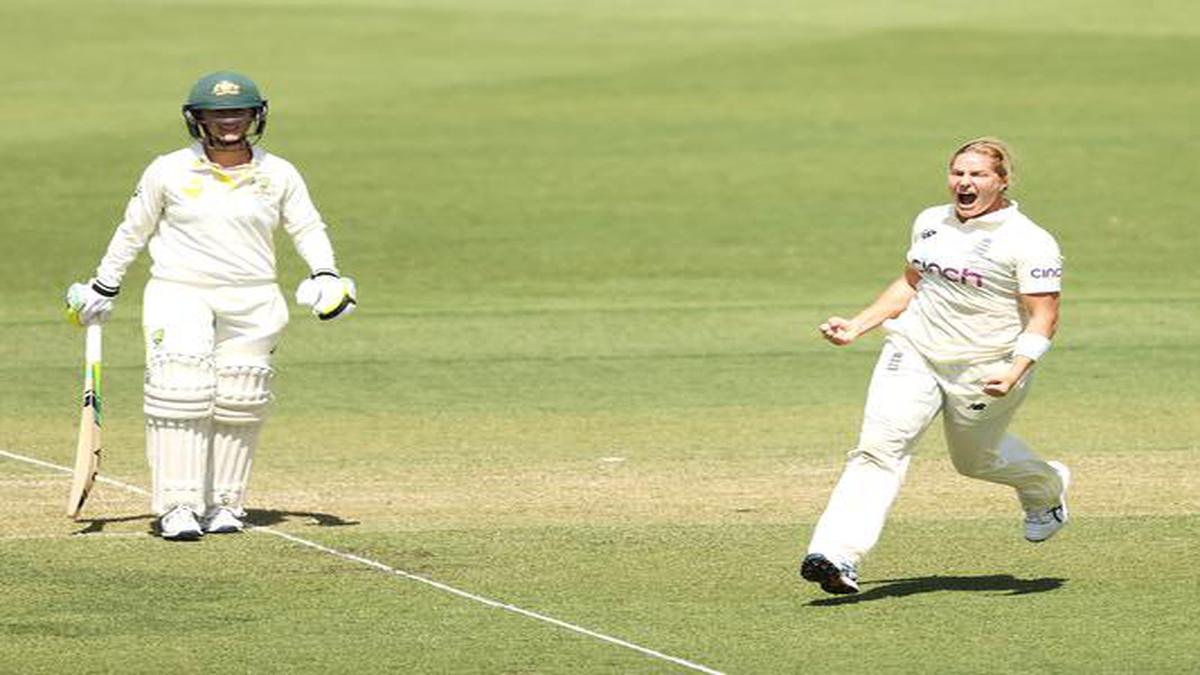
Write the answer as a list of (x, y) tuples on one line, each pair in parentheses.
[(965, 596), (605, 230), (253, 604)]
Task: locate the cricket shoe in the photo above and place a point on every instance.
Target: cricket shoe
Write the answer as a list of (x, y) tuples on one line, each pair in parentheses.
[(834, 578), (223, 520), (180, 524), (1041, 524)]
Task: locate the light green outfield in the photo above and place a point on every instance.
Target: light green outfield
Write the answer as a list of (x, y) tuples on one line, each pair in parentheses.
[(592, 241)]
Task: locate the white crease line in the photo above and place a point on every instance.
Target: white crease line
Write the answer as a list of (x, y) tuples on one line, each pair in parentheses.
[(66, 470), (410, 576)]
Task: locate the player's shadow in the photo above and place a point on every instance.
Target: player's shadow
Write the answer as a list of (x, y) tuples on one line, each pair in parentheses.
[(95, 525), (268, 517), (996, 584), (260, 517)]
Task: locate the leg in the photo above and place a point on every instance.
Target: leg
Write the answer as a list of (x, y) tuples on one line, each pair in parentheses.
[(243, 399), (980, 447), (902, 400), (247, 333), (179, 390)]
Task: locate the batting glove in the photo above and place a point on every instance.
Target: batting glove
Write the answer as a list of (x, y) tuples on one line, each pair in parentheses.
[(328, 295), (90, 303)]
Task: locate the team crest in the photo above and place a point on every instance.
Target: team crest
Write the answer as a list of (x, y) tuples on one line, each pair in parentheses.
[(262, 186), (226, 88)]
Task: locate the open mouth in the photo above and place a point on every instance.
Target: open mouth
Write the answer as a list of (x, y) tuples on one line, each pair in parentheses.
[(966, 198)]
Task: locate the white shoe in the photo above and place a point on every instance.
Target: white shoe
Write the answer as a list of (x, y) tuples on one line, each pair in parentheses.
[(223, 520), (180, 524), (1042, 524)]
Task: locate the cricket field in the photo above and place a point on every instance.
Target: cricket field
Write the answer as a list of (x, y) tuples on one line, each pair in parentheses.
[(582, 421)]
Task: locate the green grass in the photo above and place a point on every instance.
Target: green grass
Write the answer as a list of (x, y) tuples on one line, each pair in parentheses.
[(592, 240)]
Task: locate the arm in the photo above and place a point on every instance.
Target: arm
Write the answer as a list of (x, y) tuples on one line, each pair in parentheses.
[(317, 250), (325, 291), (141, 218), (1042, 310), (303, 223), (92, 302), (888, 305)]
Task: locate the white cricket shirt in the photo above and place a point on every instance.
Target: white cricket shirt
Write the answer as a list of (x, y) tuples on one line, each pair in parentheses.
[(967, 307), (210, 225)]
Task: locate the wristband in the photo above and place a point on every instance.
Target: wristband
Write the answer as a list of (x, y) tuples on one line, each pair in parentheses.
[(105, 290), (1032, 346)]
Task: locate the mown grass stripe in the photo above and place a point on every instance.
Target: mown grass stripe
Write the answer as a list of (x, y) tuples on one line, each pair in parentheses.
[(383, 567)]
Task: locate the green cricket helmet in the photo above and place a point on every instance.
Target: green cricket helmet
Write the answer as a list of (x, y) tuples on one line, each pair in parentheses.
[(225, 90)]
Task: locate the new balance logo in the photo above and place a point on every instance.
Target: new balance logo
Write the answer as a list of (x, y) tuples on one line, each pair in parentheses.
[(928, 233)]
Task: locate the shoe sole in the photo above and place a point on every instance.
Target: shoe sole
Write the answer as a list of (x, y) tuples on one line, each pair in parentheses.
[(222, 530), (822, 570), (183, 536), (1065, 475)]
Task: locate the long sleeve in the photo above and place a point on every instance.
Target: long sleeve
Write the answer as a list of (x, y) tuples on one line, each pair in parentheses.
[(317, 251), (303, 223), (141, 218), (299, 215)]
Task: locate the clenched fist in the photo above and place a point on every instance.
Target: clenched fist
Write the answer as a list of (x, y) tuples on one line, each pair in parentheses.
[(839, 331)]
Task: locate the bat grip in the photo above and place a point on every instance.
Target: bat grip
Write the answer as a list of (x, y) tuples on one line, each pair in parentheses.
[(92, 344)]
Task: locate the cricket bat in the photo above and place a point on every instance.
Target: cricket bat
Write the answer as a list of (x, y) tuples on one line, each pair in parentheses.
[(87, 452)]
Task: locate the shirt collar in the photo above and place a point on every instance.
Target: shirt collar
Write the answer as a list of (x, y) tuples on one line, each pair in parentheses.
[(993, 219), (201, 160)]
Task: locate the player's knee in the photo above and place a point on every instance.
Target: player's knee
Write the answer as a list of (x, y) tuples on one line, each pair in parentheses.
[(179, 386), (243, 394), (972, 463), (882, 453)]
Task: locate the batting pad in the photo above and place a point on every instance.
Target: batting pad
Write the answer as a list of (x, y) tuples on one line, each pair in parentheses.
[(243, 398), (179, 392), (243, 394), (179, 386), (178, 454)]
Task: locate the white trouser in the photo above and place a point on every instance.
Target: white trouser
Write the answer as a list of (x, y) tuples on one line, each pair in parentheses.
[(200, 451), (906, 393)]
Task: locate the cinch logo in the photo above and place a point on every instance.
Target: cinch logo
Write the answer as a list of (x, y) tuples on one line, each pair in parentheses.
[(1046, 272), (965, 276)]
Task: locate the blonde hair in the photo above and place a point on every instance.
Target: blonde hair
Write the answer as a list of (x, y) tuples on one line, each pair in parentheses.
[(996, 149)]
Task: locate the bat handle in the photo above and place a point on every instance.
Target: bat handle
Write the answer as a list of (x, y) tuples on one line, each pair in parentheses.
[(92, 345)]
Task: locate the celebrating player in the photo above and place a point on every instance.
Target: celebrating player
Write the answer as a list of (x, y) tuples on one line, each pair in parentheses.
[(212, 311), (975, 309)]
